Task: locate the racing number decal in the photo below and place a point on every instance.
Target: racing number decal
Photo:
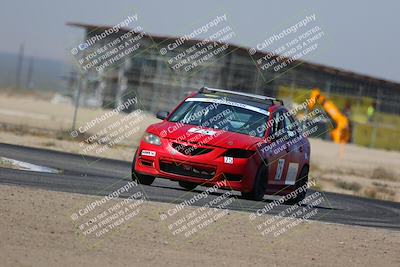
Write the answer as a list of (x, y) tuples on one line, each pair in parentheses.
[(228, 160), (279, 169), (291, 173)]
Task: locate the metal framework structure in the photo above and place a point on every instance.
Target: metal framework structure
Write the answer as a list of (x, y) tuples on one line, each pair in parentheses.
[(149, 76)]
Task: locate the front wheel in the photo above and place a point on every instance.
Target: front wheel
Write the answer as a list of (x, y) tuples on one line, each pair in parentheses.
[(141, 178), (259, 185)]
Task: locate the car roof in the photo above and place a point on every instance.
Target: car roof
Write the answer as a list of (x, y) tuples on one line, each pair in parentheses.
[(262, 104)]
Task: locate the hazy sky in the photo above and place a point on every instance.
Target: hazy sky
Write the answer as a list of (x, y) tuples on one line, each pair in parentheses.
[(363, 37)]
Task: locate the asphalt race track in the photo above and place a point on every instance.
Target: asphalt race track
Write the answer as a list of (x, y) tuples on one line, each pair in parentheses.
[(95, 176)]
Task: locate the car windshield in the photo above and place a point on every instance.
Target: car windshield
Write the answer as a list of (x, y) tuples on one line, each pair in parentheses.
[(233, 118)]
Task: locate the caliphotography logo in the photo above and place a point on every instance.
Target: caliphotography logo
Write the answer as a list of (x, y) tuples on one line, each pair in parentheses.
[(213, 133)]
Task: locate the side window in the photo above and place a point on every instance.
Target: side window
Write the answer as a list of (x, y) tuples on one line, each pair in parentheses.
[(278, 126), (281, 123), (290, 126)]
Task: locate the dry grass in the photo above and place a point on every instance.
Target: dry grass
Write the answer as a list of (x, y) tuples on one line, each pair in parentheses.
[(379, 192), (317, 170), (317, 186), (49, 144), (351, 186), (380, 173)]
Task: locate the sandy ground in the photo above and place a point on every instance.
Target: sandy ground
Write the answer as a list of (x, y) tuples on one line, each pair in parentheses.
[(36, 227), (38, 231), (356, 170), (349, 169), (37, 112)]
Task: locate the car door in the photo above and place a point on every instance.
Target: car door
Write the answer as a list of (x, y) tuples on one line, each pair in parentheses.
[(294, 150), (276, 150)]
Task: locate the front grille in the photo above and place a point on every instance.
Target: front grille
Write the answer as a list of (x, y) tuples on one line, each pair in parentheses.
[(190, 150), (239, 153), (185, 169), (232, 177)]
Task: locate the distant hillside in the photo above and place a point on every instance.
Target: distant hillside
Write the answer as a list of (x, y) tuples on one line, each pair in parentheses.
[(47, 73)]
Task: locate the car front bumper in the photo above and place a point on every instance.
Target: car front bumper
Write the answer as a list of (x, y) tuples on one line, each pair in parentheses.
[(208, 169)]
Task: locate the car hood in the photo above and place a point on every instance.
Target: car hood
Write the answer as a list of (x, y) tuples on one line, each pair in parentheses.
[(201, 135)]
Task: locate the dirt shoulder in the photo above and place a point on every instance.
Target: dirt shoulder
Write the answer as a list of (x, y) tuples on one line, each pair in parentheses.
[(36, 230)]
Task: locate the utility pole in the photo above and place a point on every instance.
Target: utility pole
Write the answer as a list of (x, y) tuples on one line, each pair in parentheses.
[(328, 88), (77, 96), (19, 66), (29, 84), (375, 121)]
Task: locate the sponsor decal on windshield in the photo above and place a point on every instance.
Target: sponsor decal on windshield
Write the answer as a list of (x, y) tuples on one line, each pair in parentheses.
[(229, 103), (201, 131)]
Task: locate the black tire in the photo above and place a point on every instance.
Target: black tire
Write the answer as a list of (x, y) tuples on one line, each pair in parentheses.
[(259, 186), (301, 181), (187, 185), (141, 178)]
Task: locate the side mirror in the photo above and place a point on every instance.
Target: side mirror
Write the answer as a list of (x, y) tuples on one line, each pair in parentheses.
[(162, 115)]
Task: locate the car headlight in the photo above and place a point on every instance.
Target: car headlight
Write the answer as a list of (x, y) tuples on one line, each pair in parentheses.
[(152, 139)]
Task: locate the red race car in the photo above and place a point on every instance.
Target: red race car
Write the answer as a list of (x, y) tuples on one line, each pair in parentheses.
[(244, 142)]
